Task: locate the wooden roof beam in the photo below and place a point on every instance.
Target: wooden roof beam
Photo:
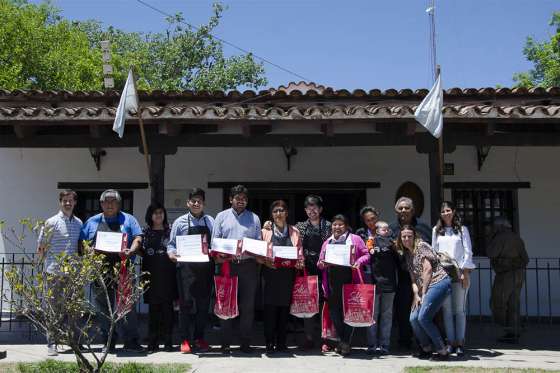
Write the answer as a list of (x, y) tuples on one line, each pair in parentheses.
[(23, 131)]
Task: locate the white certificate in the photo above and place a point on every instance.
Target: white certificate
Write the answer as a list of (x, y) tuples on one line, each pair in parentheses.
[(110, 242), (224, 246), (189, 249), (285, 252), (338, 254), (256, 247)]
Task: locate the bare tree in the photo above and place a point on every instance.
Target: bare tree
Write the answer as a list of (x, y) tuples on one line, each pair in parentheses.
[(56, 303)]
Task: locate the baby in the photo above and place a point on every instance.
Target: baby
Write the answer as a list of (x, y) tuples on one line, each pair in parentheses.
[(382, 241)]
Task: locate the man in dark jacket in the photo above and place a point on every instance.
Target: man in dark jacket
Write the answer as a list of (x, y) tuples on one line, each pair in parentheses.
[(508, 259)]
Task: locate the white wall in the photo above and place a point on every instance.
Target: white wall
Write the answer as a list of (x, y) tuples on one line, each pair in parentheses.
[(29, 177)]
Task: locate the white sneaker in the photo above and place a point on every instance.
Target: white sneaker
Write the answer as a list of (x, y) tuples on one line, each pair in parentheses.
[(51, 350)]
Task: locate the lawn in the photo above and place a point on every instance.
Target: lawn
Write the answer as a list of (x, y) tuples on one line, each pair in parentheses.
[(444, 369), (52, 366)]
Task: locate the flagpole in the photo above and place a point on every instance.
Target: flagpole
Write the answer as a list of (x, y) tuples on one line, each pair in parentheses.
[(441, 156), (142, 132)]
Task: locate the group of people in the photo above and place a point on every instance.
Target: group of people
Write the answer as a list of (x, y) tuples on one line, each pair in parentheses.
[(406, 260)]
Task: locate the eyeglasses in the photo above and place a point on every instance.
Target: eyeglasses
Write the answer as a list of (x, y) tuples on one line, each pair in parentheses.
[(278, 211)]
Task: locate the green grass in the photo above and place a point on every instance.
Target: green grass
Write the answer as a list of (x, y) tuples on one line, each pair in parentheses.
[(444, 369), (53, 366)]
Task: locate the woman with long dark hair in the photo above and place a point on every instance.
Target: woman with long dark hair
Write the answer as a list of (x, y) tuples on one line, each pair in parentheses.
[(451, 237), (430, 285), (162, 288)]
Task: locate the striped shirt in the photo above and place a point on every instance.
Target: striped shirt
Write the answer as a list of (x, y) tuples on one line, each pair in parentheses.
[(59, 234)]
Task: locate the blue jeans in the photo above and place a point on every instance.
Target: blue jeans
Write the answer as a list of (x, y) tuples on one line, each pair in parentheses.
[(422, 318), (454, 314), (379, 334)]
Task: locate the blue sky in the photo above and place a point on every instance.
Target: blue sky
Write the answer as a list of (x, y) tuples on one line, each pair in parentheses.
[(357, 43)]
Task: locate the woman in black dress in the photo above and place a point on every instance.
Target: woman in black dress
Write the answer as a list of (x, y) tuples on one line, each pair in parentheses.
[(278, 279), (162, 286)]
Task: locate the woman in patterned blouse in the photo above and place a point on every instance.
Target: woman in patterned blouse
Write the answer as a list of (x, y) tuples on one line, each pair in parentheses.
[(431, 286)]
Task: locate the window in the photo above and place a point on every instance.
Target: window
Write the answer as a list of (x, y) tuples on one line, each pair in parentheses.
[(478, 207), (88, 203)]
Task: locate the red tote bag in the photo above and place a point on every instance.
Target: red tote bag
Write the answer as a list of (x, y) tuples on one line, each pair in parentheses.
[(226, 294), (328, 330), (305, 296), (358, 303)]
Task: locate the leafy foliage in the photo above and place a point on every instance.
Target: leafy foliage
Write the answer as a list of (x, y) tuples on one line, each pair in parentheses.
[(53, 366), (39, 49), (545, 56), (56, 303)]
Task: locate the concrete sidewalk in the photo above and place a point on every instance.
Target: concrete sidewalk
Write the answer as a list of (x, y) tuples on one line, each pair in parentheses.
[(296, 362)]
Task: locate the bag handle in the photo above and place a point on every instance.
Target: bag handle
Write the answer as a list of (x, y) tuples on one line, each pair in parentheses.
[(359, 274), (226, 271)]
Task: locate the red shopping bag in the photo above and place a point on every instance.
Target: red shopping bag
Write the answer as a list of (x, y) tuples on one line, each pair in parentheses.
[(327, 326), (124, 289), (305, 296), (226, 294), (357, 303)]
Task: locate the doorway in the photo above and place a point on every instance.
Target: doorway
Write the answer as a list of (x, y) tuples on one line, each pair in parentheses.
[(338, 198)]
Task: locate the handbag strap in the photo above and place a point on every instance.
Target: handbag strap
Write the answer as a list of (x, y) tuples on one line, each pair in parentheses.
[(359, 274)]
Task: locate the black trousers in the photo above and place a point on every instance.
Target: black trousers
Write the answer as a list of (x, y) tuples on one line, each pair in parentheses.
[(195, 287), (247, 276), (160, 322), (275, 322), (403, 303)]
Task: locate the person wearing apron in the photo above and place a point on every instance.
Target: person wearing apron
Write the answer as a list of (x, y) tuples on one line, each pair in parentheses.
[(335, 276), (278, 280), (160, 272), (114, 220), (194, 280)]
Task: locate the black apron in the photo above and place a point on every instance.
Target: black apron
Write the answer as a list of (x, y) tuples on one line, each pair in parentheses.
[(279, 282), (195, 279), (110, 259), (162, 286)]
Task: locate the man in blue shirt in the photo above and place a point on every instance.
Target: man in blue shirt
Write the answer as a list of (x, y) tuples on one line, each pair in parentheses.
[(114, 220), (237, 223)]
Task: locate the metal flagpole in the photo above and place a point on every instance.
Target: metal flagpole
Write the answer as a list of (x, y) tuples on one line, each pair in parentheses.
[(436, 69)]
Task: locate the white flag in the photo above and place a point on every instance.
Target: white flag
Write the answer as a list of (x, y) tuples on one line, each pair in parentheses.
[(128, 101), (430, 111)]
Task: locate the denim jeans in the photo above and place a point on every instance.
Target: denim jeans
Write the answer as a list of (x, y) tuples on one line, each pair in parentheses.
[(454, 314), (422, 318), (379, 334)]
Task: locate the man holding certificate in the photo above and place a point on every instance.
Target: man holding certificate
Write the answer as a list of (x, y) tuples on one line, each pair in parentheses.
[(342, 256), (114, 233), (237, 223), (188, 247)]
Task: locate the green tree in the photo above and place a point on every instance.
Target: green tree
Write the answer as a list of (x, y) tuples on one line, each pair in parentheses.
[(545, 56), (40, 50), (180, 58)]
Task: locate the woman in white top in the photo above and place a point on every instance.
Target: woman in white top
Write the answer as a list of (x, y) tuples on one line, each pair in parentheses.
[(453, 238)]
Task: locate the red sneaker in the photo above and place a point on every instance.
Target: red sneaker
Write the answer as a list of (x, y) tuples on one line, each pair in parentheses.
[(185, 347), (326, 348), (202, 345)]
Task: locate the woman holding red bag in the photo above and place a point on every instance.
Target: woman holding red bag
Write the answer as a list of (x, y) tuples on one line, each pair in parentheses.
[(335, 276), (278, 278)]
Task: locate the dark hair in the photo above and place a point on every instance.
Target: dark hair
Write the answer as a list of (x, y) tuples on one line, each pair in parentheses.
[(455, 223), (369, 209), (67, 192), (406, 227), (150, 211), (238, 189), (340, 217), (278, 203), (197, 192), (313, 199)]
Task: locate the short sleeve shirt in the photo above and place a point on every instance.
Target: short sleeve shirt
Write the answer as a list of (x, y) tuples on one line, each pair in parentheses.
[(414, 262)]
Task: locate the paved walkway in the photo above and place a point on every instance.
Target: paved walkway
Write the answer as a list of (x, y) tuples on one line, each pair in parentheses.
[(539, 348), (214, 362)]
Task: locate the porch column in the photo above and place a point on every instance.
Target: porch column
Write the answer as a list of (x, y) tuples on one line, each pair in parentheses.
[(428, 145), (157, 169)]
